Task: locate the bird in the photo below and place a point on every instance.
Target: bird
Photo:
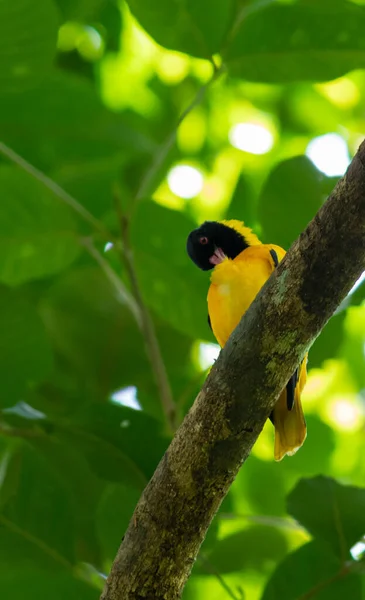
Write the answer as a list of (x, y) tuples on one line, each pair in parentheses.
[(240, 266)]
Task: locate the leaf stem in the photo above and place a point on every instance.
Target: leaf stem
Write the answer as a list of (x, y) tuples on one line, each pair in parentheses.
[(211, 569), (55, 189), (146, 323), (36, 541), (147, 181)]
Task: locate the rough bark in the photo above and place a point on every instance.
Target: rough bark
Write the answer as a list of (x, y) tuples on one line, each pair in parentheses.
[(215, 438)]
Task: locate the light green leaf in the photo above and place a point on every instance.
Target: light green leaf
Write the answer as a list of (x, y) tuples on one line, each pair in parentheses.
[(37, 232), (252, 548), (305, 40), (28, 37), (197, 28)]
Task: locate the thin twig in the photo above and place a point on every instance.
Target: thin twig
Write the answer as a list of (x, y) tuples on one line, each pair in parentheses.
[(147, 326), (36, 541), (147, 180), (9, 431), (343, 572), (211, 569), (123, 294), (56, 189)]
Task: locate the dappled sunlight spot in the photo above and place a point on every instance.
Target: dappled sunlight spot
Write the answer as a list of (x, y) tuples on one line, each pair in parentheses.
[(108, 246), (23, 409), (357, 284), (192, 132), (345, 413), (90, 44), (358, 550), (68, 35), (185, 181), (126, 397), (264, 447), (318, 381), (84, 38), (164, 197), (329, 153), (172, 67), (342, 92), (355, 321), (207, 354), (137, 63), (212, 192), (251, 137)]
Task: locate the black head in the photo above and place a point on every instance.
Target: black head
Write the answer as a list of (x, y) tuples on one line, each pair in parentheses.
[(207, 244)]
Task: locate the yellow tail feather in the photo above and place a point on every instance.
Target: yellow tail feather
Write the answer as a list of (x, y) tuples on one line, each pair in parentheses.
[(290, 427)]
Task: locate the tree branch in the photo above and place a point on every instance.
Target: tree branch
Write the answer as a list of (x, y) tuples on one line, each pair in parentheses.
[(216, 436)]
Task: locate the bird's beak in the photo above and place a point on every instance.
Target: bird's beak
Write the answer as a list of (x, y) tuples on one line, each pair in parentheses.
[(217, 257)]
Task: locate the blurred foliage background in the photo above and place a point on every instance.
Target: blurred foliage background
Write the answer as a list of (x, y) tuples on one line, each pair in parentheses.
[(269, 98)]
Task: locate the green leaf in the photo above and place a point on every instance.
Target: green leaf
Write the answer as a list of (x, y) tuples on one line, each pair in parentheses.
[(37, 232), (243, 202), (28, 37), (114, 513), (290, 198), (35, 584), (133, 432), (329, 341), (10, 460), (330, 511), (63, 121), (316, 454), (306, 40), (79, 10), (25, 355), (197, 28), (252, 548), (42, 510), (84, 297), (172, 285), (312, 572)]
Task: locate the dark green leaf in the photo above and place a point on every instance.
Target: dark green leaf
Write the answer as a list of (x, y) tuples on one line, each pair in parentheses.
[(172, 285), (35, 584), (62, 121), (133, 432), (306, 40), (114, 513), (79, 9), (37, 231), (28, 36), (330, 511), (25, 355), (41, 510), (290, 198), (197, 28), (312, 572)]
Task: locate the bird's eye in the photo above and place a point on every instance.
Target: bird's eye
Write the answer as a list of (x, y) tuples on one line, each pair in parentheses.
[(203, 240)]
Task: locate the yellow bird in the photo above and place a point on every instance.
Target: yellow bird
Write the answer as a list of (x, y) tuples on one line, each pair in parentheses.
[(241, 264)]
